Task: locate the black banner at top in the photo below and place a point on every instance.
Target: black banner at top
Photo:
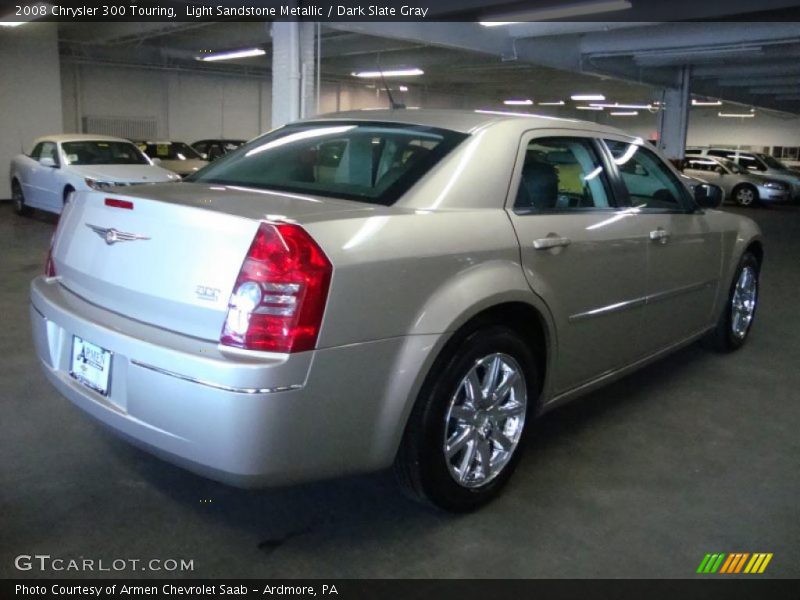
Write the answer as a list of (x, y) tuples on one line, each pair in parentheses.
[(394, 10)]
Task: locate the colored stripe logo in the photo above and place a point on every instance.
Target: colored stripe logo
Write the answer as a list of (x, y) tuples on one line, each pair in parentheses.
[(737, 562)]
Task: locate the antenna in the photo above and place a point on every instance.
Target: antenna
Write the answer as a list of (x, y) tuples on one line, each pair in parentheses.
[(394, 105)]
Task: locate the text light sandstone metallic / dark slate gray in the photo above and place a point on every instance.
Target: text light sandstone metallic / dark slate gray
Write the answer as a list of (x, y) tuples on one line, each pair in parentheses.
[(385, 287)]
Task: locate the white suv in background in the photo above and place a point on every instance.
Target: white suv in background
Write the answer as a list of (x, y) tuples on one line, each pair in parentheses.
[(760, 163)]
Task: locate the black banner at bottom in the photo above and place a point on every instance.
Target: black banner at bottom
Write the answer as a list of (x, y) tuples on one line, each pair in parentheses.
[(439, 589)]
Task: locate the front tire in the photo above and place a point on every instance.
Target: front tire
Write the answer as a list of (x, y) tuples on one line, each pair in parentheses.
[(464, 436), (737, 316), (745, 196), (18, 199)]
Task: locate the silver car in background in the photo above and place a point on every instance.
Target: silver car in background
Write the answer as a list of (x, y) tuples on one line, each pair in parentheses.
[(742, 186), (378, 288)]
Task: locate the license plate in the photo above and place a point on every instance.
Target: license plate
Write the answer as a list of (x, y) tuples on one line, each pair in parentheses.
[(91, 365)]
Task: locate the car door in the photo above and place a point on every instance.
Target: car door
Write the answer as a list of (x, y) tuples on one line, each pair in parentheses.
[(578, 253), (45, 188), (683, 254)]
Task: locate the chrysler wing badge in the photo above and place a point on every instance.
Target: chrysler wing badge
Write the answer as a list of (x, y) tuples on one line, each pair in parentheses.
[(112, 236)]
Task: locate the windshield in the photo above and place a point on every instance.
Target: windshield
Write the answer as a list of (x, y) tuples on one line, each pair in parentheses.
[(170, 151), (368, 162), (102, 153), (773, 163)]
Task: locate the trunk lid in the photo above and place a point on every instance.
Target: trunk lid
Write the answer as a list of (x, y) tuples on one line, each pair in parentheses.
[(174, 257)]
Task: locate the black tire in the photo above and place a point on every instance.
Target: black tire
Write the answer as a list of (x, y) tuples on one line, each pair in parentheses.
[(18, 199), (67, 191), (723, 338), (745, 195), (421, 467)]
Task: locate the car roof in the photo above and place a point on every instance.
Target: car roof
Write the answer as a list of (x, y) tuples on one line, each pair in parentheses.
[(465, 121), (78, 137)]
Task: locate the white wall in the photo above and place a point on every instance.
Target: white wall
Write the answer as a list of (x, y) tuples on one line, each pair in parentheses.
[(30, 90), (187, 106)]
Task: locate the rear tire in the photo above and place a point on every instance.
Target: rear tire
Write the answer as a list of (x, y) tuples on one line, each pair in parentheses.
[(745, 195), (18, 199), (738, 314), (465, 434)]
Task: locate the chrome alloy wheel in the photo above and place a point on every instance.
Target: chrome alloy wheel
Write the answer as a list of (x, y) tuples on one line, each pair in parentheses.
[(743, 303), (484, 420), (745, 196)]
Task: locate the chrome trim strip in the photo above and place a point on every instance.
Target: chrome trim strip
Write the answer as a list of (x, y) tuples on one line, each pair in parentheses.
[(225, 388), (681, 290), (636, 302), (611, 308)]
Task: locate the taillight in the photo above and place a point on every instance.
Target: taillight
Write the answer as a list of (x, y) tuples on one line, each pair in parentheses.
[(49, 265), (280, 293)]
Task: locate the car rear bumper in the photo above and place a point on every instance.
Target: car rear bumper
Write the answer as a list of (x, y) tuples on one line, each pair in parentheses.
[(245, 421)]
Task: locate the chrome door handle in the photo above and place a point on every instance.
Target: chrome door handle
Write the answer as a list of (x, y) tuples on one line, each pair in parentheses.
[(551, 242), (659, 235)]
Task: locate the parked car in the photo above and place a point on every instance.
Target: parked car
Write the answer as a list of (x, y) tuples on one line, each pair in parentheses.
[(385, 287), (59, 165), (178, 157), (742, 186), (757, 162), (213, 149)]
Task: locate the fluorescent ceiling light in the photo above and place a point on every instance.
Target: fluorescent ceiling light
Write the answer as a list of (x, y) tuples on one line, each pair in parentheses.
[(403, 88), (589, 107), (232, 55), (577, 9), (626, 106), (12, 23), (390, 73), (748, 115), (587, 97), (706, 102), (557, 103), (624, 113), (526, 102)]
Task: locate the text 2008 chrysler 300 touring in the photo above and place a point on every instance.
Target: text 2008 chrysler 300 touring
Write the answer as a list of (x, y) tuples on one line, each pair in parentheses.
[(377, 288)]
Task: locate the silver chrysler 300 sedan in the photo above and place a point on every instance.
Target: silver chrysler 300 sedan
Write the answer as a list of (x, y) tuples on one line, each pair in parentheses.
[(387, 287)]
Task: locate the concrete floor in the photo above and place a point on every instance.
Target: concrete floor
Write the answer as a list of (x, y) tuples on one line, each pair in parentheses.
[(698, 453)]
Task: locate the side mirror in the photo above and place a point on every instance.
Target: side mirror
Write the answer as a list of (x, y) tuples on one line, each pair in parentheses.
[(47, 161), (204, 155), (707, 195), (156, 161)]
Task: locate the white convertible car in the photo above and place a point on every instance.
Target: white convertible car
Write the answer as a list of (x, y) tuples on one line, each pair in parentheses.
[(61, 164)]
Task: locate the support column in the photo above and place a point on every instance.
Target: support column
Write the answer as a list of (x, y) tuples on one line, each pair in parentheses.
[(673, 120), (294, 87), (285, 72)]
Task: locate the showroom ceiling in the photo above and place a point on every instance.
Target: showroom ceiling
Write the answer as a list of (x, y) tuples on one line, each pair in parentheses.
[(753, 64)]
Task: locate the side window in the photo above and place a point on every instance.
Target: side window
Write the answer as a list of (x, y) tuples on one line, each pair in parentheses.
[(561, 174), (751, 163), (702, 164), (48, 150), (37, 151), (649, 181), (201, 147), (722, 153)]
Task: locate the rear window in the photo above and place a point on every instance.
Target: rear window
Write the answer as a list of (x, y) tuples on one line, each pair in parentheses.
[(368, 162)]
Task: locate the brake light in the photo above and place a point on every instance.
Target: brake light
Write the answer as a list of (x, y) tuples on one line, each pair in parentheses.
[(279, 296), (49, 265)]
